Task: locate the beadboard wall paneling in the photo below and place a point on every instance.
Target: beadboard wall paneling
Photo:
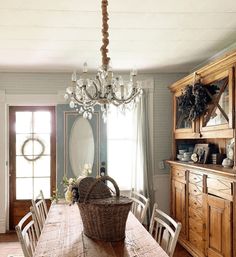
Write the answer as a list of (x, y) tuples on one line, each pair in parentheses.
[(162, 118), (161, 191), (33, 83)]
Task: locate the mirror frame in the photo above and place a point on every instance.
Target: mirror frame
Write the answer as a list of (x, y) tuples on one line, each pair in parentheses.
[(70, 118)]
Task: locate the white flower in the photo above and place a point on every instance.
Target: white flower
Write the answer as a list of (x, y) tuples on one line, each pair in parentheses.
[(71, 181), (87, 169)]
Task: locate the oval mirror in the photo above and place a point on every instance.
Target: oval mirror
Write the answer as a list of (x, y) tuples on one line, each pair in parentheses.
[(81, 145)]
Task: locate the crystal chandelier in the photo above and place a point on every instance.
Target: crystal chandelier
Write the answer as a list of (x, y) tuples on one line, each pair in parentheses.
[(105, 89)]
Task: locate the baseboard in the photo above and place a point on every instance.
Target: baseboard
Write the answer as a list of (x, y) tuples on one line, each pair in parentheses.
[(188, 247)]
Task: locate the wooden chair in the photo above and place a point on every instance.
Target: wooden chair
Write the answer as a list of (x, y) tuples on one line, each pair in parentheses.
[(41, 210), (165, 230), (28, 233), (140, 205)]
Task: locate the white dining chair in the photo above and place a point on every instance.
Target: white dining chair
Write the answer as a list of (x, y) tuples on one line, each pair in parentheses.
[(28, 233), (165, 230), (140, 205), (40, 209)]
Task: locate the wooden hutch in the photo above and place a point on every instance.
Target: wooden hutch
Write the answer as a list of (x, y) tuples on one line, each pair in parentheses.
[(203, 196)]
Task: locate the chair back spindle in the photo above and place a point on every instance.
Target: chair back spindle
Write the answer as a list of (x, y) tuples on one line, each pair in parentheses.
[(41, 210), (28, 234), (165, 230), (140, 205)]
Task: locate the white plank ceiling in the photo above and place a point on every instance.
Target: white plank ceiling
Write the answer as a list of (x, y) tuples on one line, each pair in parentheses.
[(150, 35)]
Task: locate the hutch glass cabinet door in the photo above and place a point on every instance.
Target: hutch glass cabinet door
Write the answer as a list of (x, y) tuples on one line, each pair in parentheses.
[(219, 113), (183, 127), (182, 122)]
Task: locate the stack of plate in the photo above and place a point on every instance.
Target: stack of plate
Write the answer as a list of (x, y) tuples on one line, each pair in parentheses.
[(184, 155)]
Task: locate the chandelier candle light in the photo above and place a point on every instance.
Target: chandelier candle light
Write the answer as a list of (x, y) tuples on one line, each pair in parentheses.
[(104, 89)]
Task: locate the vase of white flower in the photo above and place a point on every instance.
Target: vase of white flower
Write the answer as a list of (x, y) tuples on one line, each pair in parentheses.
[(68, 185)]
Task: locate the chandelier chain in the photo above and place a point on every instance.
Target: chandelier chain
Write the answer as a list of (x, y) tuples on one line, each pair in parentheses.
[(105, 35)]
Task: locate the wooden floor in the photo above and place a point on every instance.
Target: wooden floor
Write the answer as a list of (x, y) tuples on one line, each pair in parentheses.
[(181, 252), (10, 247)]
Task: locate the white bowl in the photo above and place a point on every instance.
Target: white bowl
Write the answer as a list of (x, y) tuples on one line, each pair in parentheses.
[(185, 159), (182, 151), (187, 154), (179, 156)]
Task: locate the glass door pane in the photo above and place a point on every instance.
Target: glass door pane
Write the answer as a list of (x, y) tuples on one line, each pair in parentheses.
[(182, 121), (218, 109), (32, 153)]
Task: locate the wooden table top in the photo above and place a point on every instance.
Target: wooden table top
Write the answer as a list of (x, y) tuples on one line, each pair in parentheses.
[(62, 236)]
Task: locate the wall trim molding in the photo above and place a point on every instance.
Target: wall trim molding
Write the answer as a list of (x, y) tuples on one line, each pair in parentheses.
[(7, 100), (147, 83)]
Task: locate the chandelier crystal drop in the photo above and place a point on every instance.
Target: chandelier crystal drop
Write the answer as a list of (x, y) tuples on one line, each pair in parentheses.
[(105, 89)]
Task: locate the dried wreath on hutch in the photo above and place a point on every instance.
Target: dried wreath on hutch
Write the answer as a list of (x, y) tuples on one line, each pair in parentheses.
[(194, 100)]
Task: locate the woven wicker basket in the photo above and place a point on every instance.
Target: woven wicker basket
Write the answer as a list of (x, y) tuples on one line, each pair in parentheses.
[(105, 218), (101, 190)]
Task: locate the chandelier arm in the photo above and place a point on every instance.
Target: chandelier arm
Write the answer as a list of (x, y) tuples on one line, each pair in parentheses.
[(99, 81), (116, 104), (80, 102), (88, 94), (124, 100), (76, 99), (90, 102), (105, 35), (96, 89)]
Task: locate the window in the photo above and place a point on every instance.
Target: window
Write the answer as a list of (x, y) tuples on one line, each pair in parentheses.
[(122, 147)]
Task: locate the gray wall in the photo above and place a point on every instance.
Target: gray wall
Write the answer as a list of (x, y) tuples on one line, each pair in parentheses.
[(51, 83), (163, 118)]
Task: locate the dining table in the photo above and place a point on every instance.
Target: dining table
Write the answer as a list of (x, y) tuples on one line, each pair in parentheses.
[(62, 236)]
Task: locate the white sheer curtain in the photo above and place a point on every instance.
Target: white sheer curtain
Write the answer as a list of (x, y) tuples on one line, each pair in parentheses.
[(127, 148), (121, 148)]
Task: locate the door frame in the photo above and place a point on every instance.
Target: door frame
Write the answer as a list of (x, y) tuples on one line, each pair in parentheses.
[(11, 152), (17, 99)]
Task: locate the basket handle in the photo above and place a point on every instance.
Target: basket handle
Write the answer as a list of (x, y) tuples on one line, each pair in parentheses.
[(103, 178)]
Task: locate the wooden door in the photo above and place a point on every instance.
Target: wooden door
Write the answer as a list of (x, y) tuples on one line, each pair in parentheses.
[(218, 215), (32, 157), (178, 204)]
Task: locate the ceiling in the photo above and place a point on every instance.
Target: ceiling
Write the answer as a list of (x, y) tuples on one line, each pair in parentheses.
[(150, 35)]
